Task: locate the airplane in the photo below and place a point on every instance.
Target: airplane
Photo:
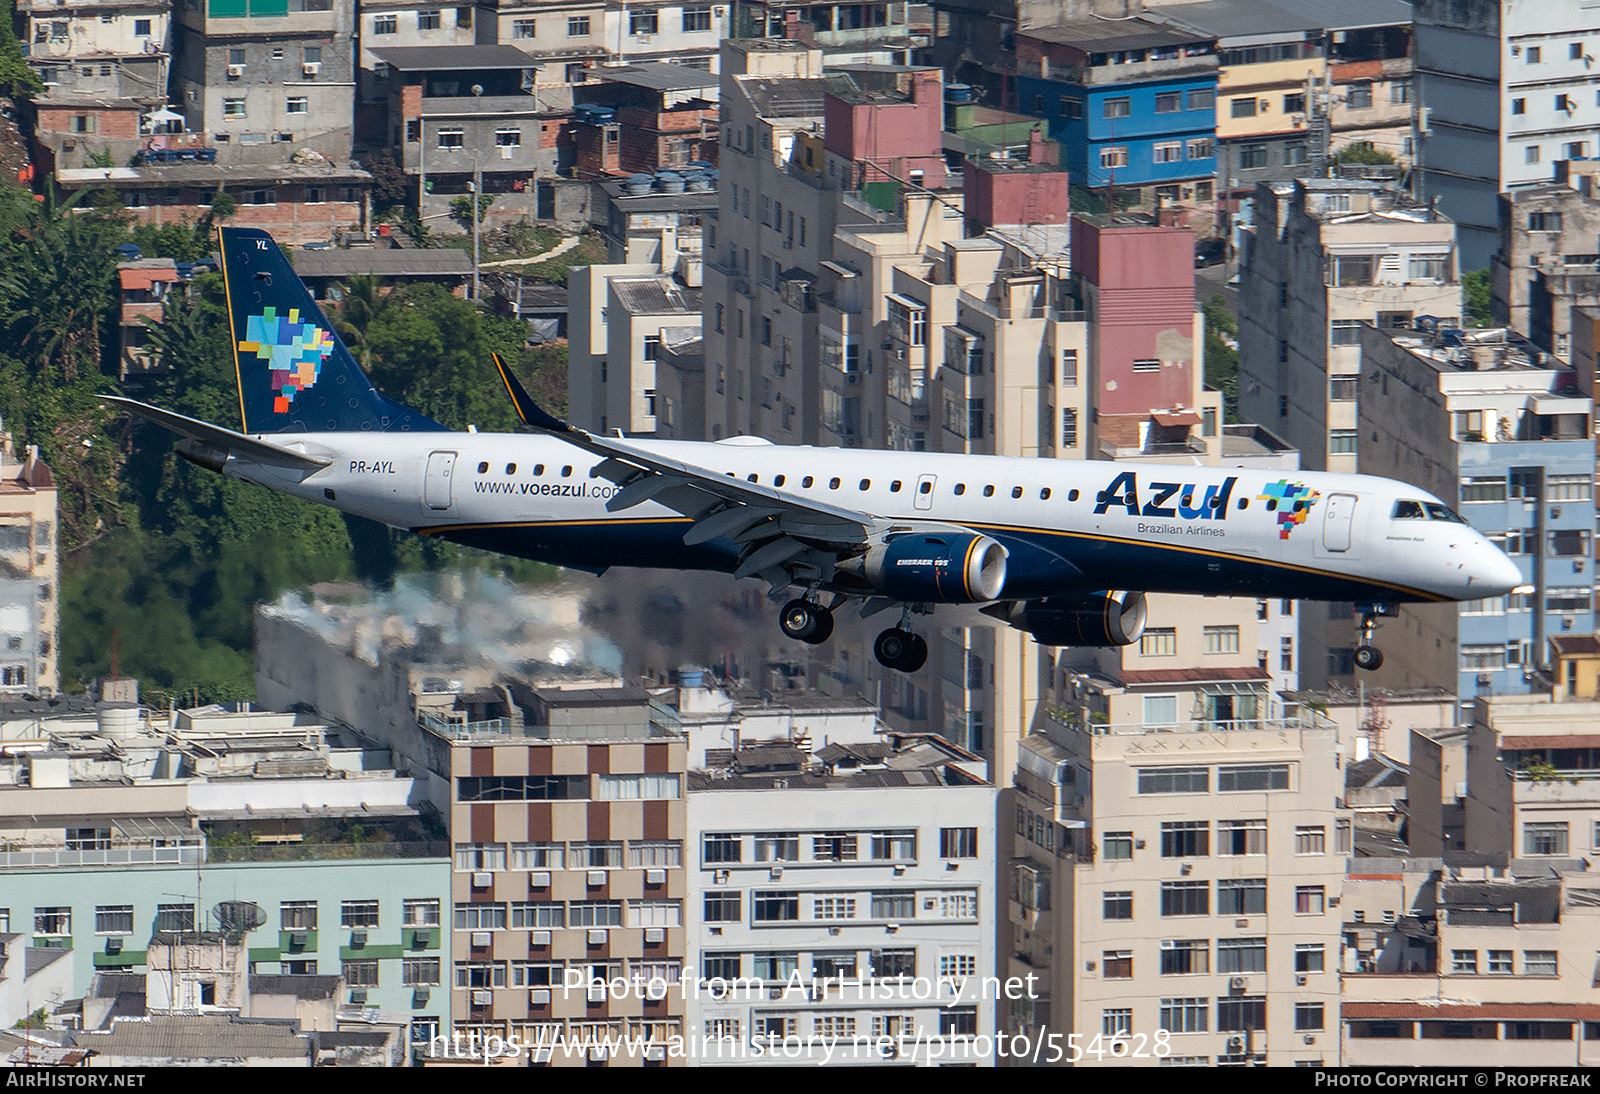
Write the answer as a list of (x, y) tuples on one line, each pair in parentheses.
[(1064, 550)]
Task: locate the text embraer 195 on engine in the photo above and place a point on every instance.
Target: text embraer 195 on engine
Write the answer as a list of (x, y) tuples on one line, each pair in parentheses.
[(1064, 550)]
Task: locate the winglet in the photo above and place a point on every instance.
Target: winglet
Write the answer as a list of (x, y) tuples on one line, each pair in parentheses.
[(527, 409)]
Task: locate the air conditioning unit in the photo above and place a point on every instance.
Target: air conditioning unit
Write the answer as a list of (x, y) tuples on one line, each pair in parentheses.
[(235, 71), (539, 879), (596, 992), (311, 68), (358, 995), (481, 940), (358, 939), (539, 938), (597, 878), (599, 1052), (891, 927), (899, 867), (1300, 981), (1235, 1044), (643, 39), (1237, 983), (539, 997), (482, 879), (655, 877), (508, 151), (655, 934), (655, 1052), (542, 1055), (1310, 1039), (775, 873), (419, 996), (482, 998), (597, 936), (833, 930)]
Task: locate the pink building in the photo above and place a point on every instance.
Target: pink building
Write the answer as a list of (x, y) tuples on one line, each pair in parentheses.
[(887, 127)]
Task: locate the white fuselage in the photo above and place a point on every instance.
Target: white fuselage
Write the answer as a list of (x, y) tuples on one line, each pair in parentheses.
[(1067, 525)]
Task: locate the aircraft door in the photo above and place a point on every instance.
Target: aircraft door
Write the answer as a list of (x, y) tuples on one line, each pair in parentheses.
[(924, 496), (1336, 520), (436, 484)]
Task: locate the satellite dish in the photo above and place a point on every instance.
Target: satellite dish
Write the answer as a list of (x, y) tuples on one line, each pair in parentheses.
[(235, 918), (477, 89)]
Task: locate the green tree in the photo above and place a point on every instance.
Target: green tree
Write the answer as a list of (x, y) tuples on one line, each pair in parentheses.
[(363, 298), (461, 208), (1222, 359), (1362, 153), (16, 78), (1477, 296)]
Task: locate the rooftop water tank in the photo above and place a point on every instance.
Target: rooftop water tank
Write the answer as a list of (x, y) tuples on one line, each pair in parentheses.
[(637, 185), (958, 93), (669, 182)]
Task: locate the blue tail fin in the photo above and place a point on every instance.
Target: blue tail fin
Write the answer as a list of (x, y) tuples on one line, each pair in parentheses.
[(295, 374)]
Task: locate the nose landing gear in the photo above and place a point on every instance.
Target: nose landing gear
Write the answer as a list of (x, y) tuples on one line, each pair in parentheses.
[(1368, 656)]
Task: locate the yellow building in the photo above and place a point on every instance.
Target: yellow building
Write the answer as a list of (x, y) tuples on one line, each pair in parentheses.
[(29, 574), (1576, 661)]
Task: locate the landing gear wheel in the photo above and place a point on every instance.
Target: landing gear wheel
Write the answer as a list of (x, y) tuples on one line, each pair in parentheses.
[(805, 621), (1369, 658), (900, 650)]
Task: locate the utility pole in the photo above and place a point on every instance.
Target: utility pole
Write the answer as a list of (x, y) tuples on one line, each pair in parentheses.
[(477, 215)]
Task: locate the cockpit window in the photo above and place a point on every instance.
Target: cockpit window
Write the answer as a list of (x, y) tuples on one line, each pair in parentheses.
[(1444, 512), (1426, 510), (1409, 510)]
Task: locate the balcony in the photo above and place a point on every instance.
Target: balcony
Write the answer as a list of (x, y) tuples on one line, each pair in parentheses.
[(1074, 720)]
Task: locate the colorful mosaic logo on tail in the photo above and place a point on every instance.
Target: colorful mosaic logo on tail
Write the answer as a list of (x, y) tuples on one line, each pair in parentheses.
[(294, 352), (1294, 502)]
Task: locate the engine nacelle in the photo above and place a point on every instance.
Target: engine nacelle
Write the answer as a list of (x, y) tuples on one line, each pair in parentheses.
[(1092, 620), (958, 568)]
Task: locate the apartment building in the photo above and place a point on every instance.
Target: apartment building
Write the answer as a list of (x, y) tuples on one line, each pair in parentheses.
[(30, 574), (1506, 85), (876, 34), (1544, 267), (1489, 421), (1469, 961), (1132, 102), (1179, 870), (1326, 256), (849, 893), (259, 76)]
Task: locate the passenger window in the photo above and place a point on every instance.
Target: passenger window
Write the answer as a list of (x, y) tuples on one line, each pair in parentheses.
[(894, 487), (866, 484), (807, 481), (1272, 505), (926, 488), (566, 472), (988, 491), (538, 469), (833, 484), (1072, 495), (1409, 510), (777, 480), (483, 468), (1016, 491), (961, 488), (753, 478), (1044, 494), (1244, 503), (511, 469)]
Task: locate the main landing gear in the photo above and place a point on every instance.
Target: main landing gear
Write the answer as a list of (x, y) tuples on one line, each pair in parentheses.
[(1368, 656), (897, 648), (806, 621)]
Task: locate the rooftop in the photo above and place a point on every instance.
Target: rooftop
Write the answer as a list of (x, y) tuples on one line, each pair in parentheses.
[(1096, 35), (198, 1037), (1255, 19), (793, 97), (1497, 349), (392, 262), (656, 296), (210, 174), (658, 76), (454, 58), (903, 760)]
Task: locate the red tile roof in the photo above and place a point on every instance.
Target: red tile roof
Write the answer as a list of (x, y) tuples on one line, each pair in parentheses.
[(1134, 677), (1520, 743), (1509, 1012)]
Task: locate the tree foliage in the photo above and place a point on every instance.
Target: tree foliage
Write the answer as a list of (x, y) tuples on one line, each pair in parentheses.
[(16, 78), (1222, 359), (1477, 296)]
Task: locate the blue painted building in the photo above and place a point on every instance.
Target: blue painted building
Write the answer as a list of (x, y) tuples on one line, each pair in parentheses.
[(1132, 103)]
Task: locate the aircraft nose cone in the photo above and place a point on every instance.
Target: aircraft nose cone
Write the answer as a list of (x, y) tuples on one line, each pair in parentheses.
[(1495, 574)]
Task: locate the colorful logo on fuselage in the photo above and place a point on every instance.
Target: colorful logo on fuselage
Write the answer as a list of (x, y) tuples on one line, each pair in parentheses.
[(1293, 502), (294, 352)]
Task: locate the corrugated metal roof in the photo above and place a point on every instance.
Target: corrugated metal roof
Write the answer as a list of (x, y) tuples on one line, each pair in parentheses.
[(1114, 35), (658, 76), (1254, 18), (1520, 743), (655, 296), (785, 98), (452, 58), (391, 262), (198, 1037)]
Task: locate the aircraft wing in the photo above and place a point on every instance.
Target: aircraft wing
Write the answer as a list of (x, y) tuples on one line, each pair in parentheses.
[(783, 538), (224, 441)]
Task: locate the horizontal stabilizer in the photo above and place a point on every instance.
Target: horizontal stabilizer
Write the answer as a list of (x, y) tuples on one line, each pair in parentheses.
[(224, 440)]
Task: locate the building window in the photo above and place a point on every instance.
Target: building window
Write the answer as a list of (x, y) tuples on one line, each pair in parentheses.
[(1117, 846), (429, 20), (419, 972), (577, 26), (1242, 108), (452, 139), (1464, 962), (1169, 102), (778, 847), (386, 24), (1116, 965), (1071, 109), (1236, 955), (1185, 1015), (1117, 108), (1117, 1022), (1115, 904), (480, 917), (1167, 152), (1429, 267), (1519, 106), (420, 913), (1252, 155), (1242, 896), (774, 907), (233, 108), (1221, 639), (508, 138), (1111, 158), (1530, 154), (141, 28), (1242, 837), (297, 915), (361, 973), (957, 843), (358, 913), (475, 857), (1174, 780), (1344, 332), (1159, 642), (833, 907), (1185, 898), (1202, 99), (1539, 963), (1309, 957), (1341, 442), (1295, 154), (1069, 427), (1359, 97), (1308, 900), (1342, 389), (834, 847), (1185, 839), (1310, 839), (1253, 777), (1185, 956), (296, 105), (1202, 148), (642, 22), (1307, 1016), (175, 917), (1242, 1015), (114, 919), (1548, 838), (524, 28), (697, 19)]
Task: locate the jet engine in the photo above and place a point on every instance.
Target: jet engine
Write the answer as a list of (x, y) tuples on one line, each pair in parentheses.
[(1093, 619), (945, 568)]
